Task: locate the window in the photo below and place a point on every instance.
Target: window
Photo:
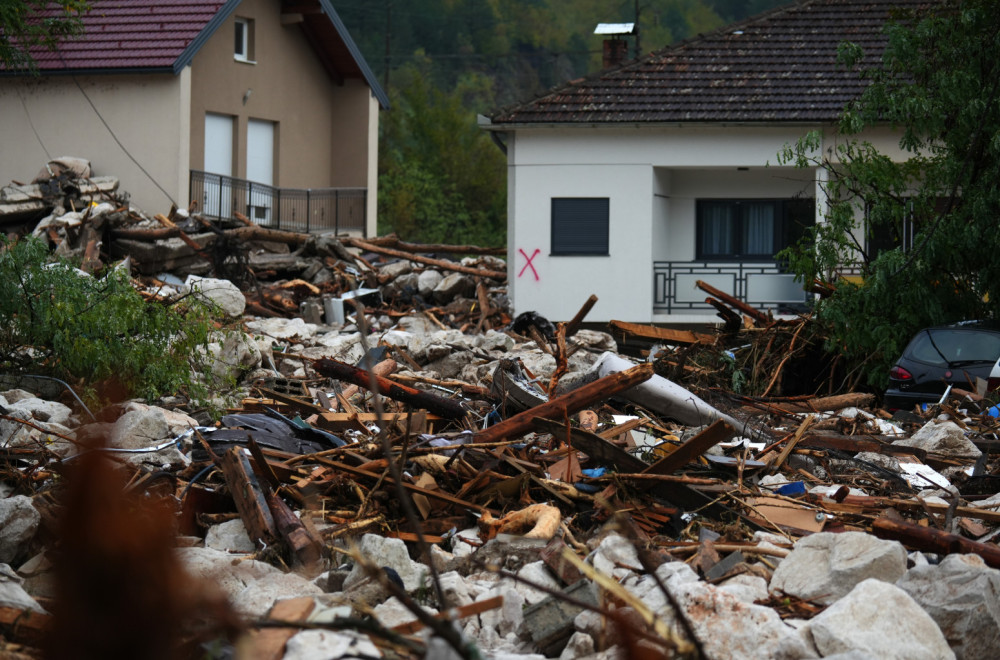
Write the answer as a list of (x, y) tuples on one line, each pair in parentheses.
[(243, 48), (580, 225), (900, 229), (750, 229)]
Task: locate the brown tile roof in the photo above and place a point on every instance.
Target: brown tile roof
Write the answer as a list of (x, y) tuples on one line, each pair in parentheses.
[(777, 67)]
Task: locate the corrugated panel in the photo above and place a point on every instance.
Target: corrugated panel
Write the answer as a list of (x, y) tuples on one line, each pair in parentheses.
[(780, 66)]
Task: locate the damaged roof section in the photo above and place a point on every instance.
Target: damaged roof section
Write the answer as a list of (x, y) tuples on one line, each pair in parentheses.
[(777, 67)]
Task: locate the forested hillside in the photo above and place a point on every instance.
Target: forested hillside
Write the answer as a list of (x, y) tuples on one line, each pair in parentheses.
[(441, 179)]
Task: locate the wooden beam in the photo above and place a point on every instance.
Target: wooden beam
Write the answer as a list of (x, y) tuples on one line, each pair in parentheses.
[(652, 333), (757, 315), (927, 539), (437, 263), (718, 431), (248, 496)]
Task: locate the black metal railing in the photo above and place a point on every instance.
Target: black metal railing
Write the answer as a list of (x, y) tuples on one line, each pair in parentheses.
[(761, 285), (293, 209)]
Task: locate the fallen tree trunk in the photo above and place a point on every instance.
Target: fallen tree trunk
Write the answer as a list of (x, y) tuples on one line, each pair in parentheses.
[(434, 404), (932, 540), (437, 263), (568, 403), (392, 241)]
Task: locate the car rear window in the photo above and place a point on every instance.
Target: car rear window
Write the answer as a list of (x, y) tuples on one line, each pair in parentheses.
[(945, 345)]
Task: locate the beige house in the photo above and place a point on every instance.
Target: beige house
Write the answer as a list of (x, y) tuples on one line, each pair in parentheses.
[(264, 107)]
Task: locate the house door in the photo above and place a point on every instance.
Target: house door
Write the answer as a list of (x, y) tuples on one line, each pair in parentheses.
[(217, 198), (260, 170)]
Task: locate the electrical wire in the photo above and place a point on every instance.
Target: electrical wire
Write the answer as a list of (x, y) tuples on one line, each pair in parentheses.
[(32, 124)]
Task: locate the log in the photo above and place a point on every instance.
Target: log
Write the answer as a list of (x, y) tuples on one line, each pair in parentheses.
[(822, 404), (24, 626), (392, 241), (567, 404), (435, 404), (575, 322), (757, 315), (437, 263), (305, 548), (652, 333), (927, 539)]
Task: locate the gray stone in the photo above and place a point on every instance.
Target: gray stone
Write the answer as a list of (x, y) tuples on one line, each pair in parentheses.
[(394, 270), (944, 438), (595, 339), (42, 410), (614, 553), (823, 567), (230, 536), (578, 646), (19, 521), (326, 644), (962, 595), (278, 328), (451, 364), (428, 280), (454, 588), (233, 354), (12, 594), (880, 619), (393, 613), (748, 588), (222, 293), (139, 428), (177, 422), (881, 460), (251, 586), (508, 617), (537, 573), (392, 553), (452, 286)]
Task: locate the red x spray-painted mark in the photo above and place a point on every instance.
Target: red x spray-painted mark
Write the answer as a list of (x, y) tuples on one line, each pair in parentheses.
[(529, 265)]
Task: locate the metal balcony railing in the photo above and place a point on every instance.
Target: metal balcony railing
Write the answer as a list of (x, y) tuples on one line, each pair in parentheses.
[(292, 209), (761, 285)]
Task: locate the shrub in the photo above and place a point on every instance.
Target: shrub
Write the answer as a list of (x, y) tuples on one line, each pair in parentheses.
[(95, 330)]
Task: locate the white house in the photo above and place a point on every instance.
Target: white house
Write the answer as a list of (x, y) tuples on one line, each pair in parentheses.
[(634, 183)]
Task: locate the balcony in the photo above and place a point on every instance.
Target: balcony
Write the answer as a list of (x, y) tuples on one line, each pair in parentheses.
[(339, 210), (760, 285)]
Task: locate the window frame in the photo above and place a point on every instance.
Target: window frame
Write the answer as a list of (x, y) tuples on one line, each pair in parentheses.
[(244, 25), (556, 225), (781, 236)]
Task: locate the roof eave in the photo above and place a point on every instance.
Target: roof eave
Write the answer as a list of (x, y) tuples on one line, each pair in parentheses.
[(184, 59), (352, 47), (518, 126), (104, 71)]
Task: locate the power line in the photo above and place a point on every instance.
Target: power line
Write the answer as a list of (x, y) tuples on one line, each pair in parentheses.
[(32, 124)]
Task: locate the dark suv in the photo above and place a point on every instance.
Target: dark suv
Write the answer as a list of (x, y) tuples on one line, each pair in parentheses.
[(937, 357)]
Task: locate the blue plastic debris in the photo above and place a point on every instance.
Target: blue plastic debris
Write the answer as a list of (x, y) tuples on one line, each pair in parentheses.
[(594, 472), (792, 489)]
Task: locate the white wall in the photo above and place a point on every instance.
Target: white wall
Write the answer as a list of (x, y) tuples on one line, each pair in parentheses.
[(652, 175), (148, 114)]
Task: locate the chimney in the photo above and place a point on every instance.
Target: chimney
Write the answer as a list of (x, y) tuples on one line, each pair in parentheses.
[(615, 47), (615, 52)]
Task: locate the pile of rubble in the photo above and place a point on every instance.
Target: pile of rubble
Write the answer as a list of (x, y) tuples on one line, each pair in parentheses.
[(406, 471)]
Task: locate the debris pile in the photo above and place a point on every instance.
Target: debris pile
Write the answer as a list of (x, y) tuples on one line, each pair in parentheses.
[(406, 471)]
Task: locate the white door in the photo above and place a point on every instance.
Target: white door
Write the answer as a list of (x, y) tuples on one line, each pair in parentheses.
[(218, 198), (260, 169)]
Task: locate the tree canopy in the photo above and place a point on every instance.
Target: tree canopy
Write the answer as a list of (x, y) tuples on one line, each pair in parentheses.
[(927, 246)]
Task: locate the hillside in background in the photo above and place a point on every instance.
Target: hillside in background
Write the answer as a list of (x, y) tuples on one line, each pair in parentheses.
[(444, 61)]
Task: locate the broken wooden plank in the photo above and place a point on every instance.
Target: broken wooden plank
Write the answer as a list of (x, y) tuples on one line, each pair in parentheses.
[(668, 335), (718, 431), (569, 403), (437, 263), (24, 626), (757, 315), (248, 496), (600, 450), (269, 643), (345, 372), (305, 548), (392, 241), (574, 323)]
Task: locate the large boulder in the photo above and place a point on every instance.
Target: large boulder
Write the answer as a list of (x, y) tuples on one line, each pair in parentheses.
[(454, 285), (221, 293), (879, 619), (391, 553), (41, 410), (943, 438), (823, 567), (428, 281), (961, 595)]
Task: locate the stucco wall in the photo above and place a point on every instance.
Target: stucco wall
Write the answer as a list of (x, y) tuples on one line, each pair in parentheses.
[(653, 177), (324, 130), (147, 113)]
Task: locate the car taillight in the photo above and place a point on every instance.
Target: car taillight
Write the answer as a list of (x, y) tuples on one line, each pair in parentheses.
[(899, 373), (992, 383)]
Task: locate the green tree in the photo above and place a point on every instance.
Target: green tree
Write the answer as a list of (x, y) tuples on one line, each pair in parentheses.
[(25, 24), (937, 86)]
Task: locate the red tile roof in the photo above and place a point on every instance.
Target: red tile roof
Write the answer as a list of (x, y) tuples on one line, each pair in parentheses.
[(780, 66), (131, 34)]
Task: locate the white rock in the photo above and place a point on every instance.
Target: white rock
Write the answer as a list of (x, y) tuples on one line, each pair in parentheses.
[(615, 556), (823, 567), (748, 588), (537, 573), (428, 280), (393, 613), (454, 588), (462, 549), (139, 428), (223, 293), (507, 618), (233, 354), (19, 521), (326, 644), (12, 594), (961, 595), (283, 328), (578, 646), (251, 586), (880, 619), (392, 553), (945, 438), (230, 536), (42, 410), (177, 422)]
